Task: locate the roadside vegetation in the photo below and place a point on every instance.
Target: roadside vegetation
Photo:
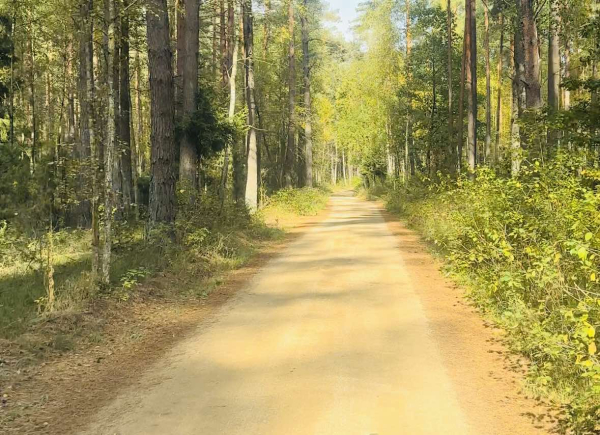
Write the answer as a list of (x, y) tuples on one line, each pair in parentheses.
[(528, 250), (209, 238)]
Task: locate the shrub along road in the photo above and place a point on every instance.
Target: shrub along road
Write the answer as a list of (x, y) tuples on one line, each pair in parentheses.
[(341, 334)]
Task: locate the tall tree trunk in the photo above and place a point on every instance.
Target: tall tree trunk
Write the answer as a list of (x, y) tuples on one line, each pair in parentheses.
[(252, 167), (11, 129), (499, 90), (553, 70), (232, 100), (33, 101), (488, 87), (461, 101), (515, 128), (450, 114), (267, 28), (188, 154), (109, 148), (86, 125), (433, 112), (162, 172), (408, 142), (529, 44), (230, 34), (140, 116), (179, 53), (308, 160), (223, 43), (290, 154), (567, 74), (117, 183), (124, 145), (471, 83)]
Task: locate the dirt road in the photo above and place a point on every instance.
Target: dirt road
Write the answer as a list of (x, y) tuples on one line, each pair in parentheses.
[(342, 334)]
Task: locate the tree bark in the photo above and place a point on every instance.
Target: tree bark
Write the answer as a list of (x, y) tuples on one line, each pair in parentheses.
[(529, 47), (515, 155), (252, 165), (231, 114), (471, 83), (488, 87), (450, 114), (408, 142), (223, 42), (125, 114), (308, 160), (162, 173), (290, 153), (499, 90), (188, 153), (179, 53), (86, 124), (461, 102), (109, 148), (553, 70)]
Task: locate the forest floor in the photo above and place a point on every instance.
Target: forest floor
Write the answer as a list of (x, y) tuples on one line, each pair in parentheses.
[(349, 329), (57, 393)]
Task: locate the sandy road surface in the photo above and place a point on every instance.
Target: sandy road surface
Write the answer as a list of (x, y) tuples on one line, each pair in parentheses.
[(332, 337)]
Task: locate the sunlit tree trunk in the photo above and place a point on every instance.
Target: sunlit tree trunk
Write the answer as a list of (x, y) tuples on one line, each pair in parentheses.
[(308, 159), (499, 90), (471, 82), (515, 129), (529, 47), (461, 103), (450, 114), (488, 87), (252, 175), (290, 153), (408, 140), (553, 70)]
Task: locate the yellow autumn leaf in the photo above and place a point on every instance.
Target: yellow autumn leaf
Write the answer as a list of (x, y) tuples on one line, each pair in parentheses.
[(592, 348), (593, 277)]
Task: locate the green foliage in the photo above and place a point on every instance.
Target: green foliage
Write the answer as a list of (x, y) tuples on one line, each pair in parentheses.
[(206, 128), (301, 202), (529, 249)]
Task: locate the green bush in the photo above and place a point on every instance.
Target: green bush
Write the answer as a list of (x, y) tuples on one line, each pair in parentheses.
[(301, 202), (529, 250)]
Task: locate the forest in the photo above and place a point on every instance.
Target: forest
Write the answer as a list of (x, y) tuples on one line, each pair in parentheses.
[(139, 136)]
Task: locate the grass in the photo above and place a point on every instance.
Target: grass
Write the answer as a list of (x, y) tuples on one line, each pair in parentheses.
[(211, 240)]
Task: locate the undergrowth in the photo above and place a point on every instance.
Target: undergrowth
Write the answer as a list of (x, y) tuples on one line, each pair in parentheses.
[(528, 250), (296, 202), (207, 239)]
